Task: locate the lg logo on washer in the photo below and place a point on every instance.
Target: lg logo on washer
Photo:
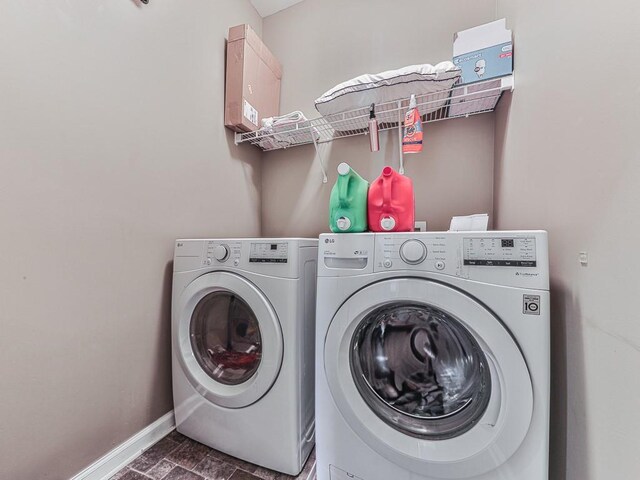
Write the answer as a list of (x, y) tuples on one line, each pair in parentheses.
[(531, 304)]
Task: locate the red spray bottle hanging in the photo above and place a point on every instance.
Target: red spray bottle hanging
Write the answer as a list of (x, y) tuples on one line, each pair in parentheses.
[(412, 138)]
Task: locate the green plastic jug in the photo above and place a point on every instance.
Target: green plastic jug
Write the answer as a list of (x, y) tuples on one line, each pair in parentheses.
[(348, 202)]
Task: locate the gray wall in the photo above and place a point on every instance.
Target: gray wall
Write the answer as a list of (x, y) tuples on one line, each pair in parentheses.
[(111, 145), (324, 42), (567, 160)]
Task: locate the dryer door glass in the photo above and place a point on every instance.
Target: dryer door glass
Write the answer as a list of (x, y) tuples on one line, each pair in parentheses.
[(225, 338), (420, 370)]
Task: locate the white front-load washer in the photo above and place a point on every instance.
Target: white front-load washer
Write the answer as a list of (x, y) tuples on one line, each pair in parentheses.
[(433, 356), (243, 347)]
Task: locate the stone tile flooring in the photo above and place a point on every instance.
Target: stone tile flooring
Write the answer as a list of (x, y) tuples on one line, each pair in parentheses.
[(177, 457)]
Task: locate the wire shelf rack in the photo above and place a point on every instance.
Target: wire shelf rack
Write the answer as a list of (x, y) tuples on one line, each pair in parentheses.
[(459, 101)]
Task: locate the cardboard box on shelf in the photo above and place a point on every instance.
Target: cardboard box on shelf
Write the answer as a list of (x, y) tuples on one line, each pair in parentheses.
[(252, 81), (484, 52)]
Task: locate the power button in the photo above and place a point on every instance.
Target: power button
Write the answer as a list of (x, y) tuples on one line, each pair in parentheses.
[(387, 263), (440, 265)]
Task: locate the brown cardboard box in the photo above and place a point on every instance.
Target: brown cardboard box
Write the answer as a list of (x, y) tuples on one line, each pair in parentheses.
[(253, 81)]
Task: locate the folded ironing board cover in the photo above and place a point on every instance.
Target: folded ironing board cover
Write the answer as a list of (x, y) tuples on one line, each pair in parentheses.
[(362, 91), (286, 130)]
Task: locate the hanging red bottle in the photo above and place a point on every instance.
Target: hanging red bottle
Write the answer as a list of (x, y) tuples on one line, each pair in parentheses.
[(391, 203)]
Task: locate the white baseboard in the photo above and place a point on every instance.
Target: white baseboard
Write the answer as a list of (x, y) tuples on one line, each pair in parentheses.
[(116, 459)]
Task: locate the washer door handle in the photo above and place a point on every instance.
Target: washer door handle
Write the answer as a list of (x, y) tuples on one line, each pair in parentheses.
[(492, 414)]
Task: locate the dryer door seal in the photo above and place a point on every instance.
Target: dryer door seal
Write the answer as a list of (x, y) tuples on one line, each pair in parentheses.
[(467, 428), (228, 339)]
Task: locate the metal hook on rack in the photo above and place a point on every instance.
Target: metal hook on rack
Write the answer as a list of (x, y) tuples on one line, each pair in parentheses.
[(400, 136), (319, 155)]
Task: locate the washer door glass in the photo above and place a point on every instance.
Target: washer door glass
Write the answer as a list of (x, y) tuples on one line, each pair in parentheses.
[(420, 370), (225, 338)]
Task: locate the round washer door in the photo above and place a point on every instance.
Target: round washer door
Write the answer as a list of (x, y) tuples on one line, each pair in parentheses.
[(229, 340), (429, 378)]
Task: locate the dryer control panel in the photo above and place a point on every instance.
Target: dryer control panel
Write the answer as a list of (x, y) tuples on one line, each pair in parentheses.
[(276, 257), (262, 252), (217, 252)]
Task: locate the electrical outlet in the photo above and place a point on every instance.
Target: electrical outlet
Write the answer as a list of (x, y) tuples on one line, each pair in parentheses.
[(584, 259), (420, 226)]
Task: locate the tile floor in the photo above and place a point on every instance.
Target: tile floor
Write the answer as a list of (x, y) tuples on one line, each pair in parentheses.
[(177, 457)]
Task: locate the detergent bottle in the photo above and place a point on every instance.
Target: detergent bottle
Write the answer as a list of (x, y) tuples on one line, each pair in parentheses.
[(348, 202), (391, 203)]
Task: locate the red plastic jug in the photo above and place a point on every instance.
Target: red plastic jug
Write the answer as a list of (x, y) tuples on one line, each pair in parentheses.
[(391, 204)]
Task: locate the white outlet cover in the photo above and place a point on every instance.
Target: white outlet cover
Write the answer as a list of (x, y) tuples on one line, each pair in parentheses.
[(584, 259), (420, 226)]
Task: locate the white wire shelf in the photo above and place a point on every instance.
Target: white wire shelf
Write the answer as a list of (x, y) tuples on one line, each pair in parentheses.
[(459, 101)]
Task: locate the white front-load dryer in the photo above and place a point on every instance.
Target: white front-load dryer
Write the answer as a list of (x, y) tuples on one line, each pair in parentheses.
[(433, 356), (243, 347)]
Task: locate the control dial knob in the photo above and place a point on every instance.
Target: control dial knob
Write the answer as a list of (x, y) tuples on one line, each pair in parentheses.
[(221, 253), (413, 252)]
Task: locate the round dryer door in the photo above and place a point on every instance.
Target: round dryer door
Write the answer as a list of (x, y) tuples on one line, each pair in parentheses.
[(429, 378), (229, 339)]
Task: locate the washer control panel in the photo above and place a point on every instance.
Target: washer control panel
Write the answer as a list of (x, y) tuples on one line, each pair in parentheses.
[(264, 252), (399, 251), (509, 258), (500, 252)]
